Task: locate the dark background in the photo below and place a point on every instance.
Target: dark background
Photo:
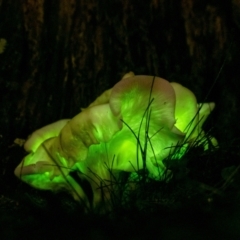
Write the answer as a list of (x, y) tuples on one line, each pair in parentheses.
[(61, 54)]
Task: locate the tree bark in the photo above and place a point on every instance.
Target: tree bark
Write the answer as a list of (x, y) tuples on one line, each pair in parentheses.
[(60, 55)]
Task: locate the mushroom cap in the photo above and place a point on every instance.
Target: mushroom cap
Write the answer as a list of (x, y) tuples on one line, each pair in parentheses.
[(186, 109), (44, 133), (131, 96)]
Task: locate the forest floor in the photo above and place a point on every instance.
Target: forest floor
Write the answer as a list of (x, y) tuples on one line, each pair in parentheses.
[(200, 202)]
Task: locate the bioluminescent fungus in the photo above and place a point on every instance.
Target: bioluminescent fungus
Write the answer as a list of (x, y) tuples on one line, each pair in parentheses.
[(135, 125)]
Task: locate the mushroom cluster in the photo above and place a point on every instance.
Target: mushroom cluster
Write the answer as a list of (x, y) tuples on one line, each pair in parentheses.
[(137, 124)]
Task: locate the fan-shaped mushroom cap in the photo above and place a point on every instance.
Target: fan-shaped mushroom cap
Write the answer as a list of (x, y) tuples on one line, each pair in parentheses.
[(131, 96), (186, 109), (44, 133)]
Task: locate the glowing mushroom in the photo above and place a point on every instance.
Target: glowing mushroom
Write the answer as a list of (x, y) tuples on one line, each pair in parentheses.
[(136, 124)]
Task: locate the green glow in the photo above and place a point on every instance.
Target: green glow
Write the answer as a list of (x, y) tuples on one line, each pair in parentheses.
[(115, 133), (44, 133), (185, 108)]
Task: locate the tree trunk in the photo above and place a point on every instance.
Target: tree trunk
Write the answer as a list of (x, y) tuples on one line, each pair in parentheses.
[(60, 55)]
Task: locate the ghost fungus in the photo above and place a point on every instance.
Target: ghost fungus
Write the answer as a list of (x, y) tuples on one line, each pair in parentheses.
[(136, 124), (190, 115), (44, 133)]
